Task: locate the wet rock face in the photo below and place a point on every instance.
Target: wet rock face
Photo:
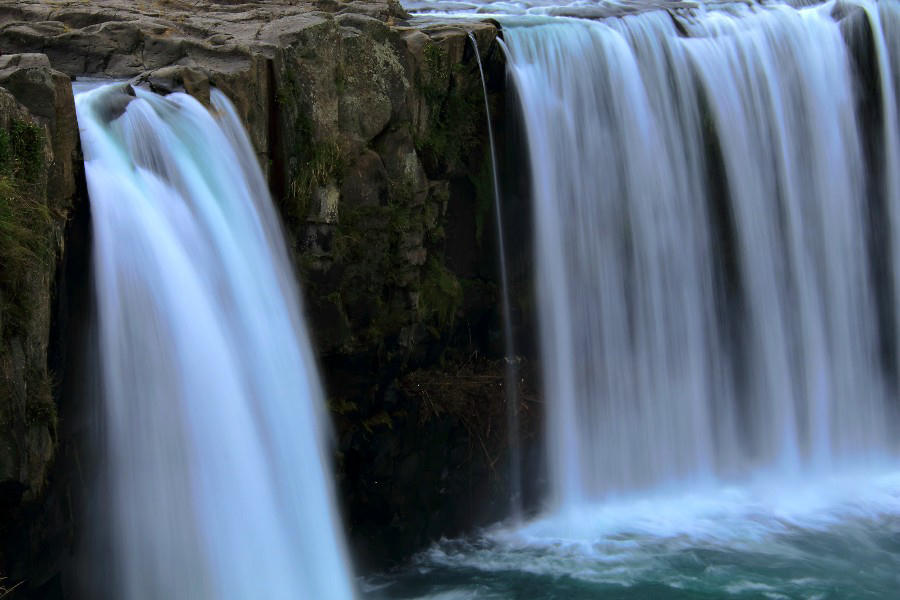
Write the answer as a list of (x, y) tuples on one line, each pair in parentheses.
[(370, 126), (38, 165), (381, 141), (431, 457), (365, 121)]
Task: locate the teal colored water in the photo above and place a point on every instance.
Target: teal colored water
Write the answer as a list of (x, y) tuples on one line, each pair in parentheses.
[(827, 540)]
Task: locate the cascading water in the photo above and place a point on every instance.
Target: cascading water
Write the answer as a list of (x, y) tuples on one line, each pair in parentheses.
[(706, 303), (715, 205), (511, 378), (218, 472)]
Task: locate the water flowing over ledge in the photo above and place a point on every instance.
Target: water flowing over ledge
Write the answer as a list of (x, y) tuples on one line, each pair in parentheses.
[(717, 271), (704, 250), (218, 482), (583, 9)]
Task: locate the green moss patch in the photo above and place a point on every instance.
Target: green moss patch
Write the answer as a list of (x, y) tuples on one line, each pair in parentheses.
[(312, 162), (21, 151), (441, 295), (26, 223), (454, 109), (381, 290), (28, 245)]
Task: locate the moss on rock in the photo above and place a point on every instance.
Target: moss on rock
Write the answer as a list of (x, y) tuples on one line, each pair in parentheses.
[(441, 296), (453, 97), (25, 221)]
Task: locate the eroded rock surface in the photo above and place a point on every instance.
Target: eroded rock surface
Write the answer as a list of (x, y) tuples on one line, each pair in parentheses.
[(370, 126), (38, 165)]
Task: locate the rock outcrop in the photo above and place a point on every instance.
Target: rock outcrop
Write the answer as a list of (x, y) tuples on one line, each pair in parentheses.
[(371, 128), (38, 166)]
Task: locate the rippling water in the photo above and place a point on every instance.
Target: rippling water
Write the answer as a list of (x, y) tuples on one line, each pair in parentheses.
[(838, 538)]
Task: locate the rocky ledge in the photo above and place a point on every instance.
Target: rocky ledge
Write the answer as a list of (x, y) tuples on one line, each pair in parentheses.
[(371, 128)]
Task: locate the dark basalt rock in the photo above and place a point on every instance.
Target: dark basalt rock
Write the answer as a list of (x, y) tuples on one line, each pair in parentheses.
[(116, 104), (370, 127), (38, 172)]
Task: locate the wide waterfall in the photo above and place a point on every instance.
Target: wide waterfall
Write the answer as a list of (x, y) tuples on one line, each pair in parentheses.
[(218, 482), (705, 273), (716, 199)]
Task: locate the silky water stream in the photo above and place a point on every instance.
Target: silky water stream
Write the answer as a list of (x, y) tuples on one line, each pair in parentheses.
[(717, 274)]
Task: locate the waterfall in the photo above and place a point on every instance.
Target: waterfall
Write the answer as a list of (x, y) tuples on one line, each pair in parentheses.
[(706, 270), (218, 483), (510, 371), (717, 269)]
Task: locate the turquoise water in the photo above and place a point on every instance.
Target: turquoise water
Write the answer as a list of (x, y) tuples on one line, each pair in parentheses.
[(838, 538)]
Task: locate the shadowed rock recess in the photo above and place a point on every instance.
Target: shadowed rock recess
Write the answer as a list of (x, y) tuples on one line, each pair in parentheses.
[(370, 127)]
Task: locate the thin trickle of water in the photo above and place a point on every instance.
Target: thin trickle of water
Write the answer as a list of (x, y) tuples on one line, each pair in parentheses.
[(218, 479), (511, 375)]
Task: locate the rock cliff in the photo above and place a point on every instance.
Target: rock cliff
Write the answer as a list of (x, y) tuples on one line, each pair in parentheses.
[(38, 166), (371, 128)]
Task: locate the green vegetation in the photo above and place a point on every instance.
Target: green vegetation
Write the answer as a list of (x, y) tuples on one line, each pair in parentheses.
[(314, 162), (382, 290), (434, 88), (25, 222), (441, 294), (377, 275), (484, 197), (342, 406), (21, 151), (41, 409), (380, 419), (27, 248), (368, 243), (322, 162), (454, 109)]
